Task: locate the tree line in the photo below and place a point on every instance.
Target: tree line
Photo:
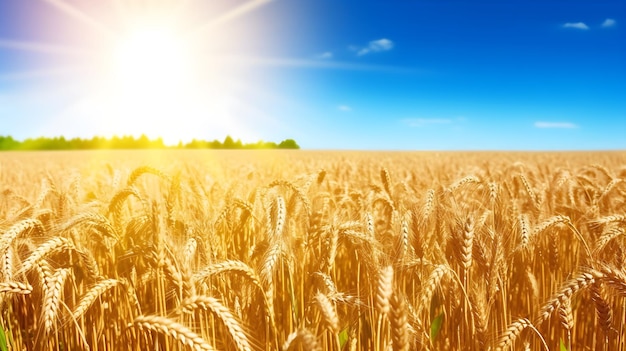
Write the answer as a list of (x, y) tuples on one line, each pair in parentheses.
[(130, 142)]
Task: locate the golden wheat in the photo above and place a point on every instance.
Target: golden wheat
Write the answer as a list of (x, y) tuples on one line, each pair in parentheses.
[(313, 251)]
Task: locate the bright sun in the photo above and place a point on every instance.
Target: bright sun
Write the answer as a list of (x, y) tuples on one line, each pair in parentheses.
[(151, 62), (151, 80)]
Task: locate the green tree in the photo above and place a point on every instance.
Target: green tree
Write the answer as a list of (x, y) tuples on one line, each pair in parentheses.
[(288, 144), (229, 143)]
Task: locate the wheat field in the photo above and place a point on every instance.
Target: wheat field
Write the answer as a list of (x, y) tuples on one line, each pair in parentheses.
[(304, 250)]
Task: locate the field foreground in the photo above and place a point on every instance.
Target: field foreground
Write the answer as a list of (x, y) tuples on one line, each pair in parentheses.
[(301, 250)]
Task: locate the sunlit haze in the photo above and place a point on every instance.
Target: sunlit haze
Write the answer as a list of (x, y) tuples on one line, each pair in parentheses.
[(405, 75)]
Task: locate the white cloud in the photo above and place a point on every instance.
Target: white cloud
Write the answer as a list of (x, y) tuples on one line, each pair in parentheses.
[(422, 122), (325, 55), (577, 25), (609, 22), (379, 45), (555, 125), (344, 108)]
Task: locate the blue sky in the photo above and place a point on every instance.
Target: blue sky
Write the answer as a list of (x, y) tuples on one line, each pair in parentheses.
[(332, 74)]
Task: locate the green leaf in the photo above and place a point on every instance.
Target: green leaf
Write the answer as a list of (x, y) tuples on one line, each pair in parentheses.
[(3, 340), (343, 337), (435, 327), (562, 346)]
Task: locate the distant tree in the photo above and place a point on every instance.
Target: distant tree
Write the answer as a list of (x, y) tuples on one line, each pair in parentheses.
[(8, 143), (130, 142), (143, 142), (229, 143), (238, 144), (288, 144)]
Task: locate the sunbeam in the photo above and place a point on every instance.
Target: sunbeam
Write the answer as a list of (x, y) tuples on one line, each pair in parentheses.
[(41, 47), (75, 13), (228, 16), (39, 73), (250, 61)]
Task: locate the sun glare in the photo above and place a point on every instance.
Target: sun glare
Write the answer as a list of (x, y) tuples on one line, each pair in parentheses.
[(150, 61), (151, 81), (157, 68)]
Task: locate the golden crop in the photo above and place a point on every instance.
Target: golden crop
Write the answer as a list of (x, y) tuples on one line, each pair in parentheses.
[(302, 250)]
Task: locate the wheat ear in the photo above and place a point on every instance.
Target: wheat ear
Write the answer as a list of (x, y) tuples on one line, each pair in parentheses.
[(465, 180), (137, 172), (18, 228), (53, 245), (614, 278), (386, 179), (464, 248), (566, 315), (52, 297), (431, 284), (384, 290), (189, 251), (304, 337), (606, 237), (6, 265), (15, 288), (175, 330), (603, 309), (328, 311), (569, 288), (596, 223), (223, 314), (511, 333), (524, 230), (90, 296), (399, 323)]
